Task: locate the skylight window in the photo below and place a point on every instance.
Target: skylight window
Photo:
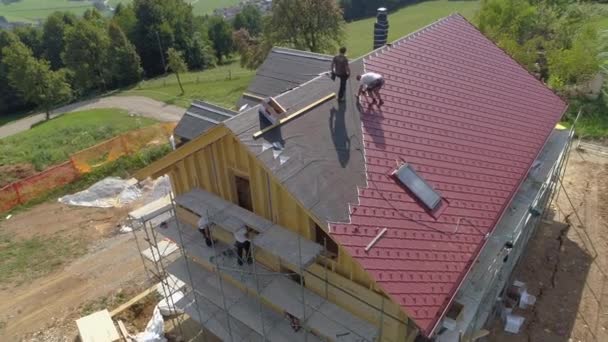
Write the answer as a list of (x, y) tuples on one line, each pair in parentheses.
[(418, 186)]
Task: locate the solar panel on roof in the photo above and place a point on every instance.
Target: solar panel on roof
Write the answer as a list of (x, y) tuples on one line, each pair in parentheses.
[(418, 186)]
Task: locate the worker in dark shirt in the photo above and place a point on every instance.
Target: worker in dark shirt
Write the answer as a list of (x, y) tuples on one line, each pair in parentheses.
[(340, 68)]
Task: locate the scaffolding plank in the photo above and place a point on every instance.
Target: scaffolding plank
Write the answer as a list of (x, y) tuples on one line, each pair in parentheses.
[(273, 238), (336, 323), (214, 319), (205, 203), (287, 295), (152, 209), (284, 244), (242, 308)]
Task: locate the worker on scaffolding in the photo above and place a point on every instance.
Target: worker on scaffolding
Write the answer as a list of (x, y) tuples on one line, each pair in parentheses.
[(370, 83), (203, 227), (243, 245)]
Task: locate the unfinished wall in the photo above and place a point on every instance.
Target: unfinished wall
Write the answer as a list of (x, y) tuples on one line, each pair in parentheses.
[(213, 164)]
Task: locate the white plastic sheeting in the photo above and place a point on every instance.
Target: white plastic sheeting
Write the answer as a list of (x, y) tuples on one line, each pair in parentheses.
[(155, 330), (115, 192)]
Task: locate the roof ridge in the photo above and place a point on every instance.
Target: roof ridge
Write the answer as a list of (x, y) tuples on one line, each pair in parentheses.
[(412, 34), (301, 53)]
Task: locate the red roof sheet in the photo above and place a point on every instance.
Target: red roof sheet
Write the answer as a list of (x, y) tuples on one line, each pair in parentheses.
[(470, 121)]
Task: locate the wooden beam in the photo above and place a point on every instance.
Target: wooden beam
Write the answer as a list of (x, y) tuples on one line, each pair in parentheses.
[(251, 96), (294, 115), (123, 331), (133, 300), (159, 167)]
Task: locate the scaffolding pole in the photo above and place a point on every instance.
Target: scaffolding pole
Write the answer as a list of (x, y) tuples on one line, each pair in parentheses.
[(183, 253)]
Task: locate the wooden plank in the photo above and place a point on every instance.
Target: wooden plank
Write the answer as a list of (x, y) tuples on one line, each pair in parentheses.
[(252, 96), (294, 115), (123, 330), (160, 167), (133, 300), (97, 327)]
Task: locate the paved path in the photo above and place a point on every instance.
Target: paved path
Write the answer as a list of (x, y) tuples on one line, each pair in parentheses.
[(133, 104)]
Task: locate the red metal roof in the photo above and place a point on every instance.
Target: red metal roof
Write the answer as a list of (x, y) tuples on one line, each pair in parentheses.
[(470, 121)]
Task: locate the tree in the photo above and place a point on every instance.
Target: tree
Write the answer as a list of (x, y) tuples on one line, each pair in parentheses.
[(314, 25), (177, 64), (9, 99), (32, 37), (53, 31), (250, 19), (86, 51), (124, 63), (577, 64), (161, 24), (124, 16), (200, 54), (514, 19), (220, 34), (34, 78), (253, 51)]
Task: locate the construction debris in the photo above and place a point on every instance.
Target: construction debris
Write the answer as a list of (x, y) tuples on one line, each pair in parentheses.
[(97, 327), (155, 330), (116, 192)]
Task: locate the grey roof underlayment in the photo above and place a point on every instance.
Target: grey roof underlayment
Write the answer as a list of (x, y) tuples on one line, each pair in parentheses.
[(316, 151), (199, 118), (282, 70)]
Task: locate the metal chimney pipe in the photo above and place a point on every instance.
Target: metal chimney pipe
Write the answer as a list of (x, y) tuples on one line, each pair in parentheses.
[(381, 28)]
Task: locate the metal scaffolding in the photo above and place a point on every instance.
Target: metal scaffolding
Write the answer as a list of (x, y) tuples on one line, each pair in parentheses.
[(250, 302)]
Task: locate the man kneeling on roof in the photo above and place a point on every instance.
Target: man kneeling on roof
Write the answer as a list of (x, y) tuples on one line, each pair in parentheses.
[(371, 83)]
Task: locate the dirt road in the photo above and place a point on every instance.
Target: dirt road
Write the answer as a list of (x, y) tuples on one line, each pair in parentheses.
[(133, 104), (566, 264), (45, 309)]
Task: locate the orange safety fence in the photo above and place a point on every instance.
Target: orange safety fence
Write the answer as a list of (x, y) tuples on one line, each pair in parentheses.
[(82, 162), (124, 144)]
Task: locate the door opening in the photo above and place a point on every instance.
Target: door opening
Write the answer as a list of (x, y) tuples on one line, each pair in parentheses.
[(243, 193)]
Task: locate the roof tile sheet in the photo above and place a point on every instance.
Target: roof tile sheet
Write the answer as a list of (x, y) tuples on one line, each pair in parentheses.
[(470, 121)]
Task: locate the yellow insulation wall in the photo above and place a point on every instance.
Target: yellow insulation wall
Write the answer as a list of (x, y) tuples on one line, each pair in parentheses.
[(212, 166)]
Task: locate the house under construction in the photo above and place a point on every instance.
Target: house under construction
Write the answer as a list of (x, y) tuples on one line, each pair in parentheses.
[(390, 223)]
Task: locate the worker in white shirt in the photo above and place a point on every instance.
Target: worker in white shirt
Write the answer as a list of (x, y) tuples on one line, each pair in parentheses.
[(242, 245), (203, 227), (371, 83)]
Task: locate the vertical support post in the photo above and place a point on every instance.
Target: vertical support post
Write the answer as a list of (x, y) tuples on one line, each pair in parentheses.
[(143, 260), (219, 277), (164, 281), (302, 286), (326, 275), (380, 330), (257, 289), (183, 251)]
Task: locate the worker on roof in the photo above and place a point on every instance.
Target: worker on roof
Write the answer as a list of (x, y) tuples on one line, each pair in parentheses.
[(340, 68), (371, 83)]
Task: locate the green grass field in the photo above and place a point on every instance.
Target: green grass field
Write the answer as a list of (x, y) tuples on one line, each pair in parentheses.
[(359, 34), (199, 7), (33, 10), (53, 141), (222, 85)]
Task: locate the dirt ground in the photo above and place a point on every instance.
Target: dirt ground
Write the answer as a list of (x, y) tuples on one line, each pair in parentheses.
[(11, 173), (566, 263), (45, 308)]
